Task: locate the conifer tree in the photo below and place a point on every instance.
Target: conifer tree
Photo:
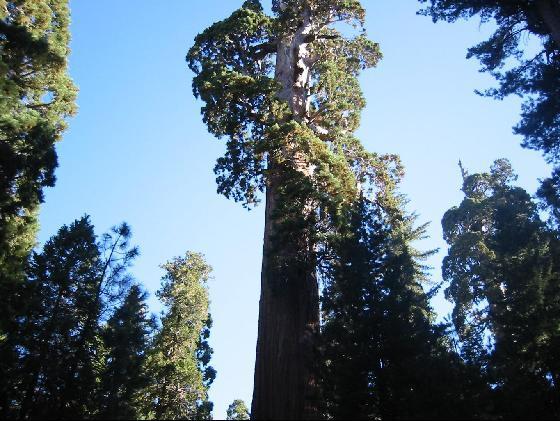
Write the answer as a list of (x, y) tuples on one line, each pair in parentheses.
[(536, 76), (385, 358), (237, 411), (177, 363), (283, 90), (71, 284), (549, 194), (36, 97), (126, 341), (502, 269), (60, 279)]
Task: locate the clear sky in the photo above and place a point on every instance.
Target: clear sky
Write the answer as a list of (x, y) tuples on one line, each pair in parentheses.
[(139, 152)]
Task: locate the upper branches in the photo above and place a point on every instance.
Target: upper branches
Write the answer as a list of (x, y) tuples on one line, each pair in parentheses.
[(249, 95), (535, 75), (234, 78)]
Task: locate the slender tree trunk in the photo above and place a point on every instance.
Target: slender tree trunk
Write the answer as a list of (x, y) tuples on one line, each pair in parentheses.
[(285, 380), (550, 13)]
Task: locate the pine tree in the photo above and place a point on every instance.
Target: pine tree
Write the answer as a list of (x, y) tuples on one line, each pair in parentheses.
[(237, 411), (107, 288), (60, 280), (71, 285), (177, 363), (126, 340), (283, 89), (502, 269)]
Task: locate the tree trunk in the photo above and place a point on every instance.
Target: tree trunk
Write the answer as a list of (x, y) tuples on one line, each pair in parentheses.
[(285, 378)]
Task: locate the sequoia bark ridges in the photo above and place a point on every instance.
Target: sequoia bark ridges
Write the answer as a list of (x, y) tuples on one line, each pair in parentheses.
[(285, 383)]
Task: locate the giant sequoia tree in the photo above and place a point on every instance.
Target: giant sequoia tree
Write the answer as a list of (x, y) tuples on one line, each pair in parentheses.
[(283, 91)]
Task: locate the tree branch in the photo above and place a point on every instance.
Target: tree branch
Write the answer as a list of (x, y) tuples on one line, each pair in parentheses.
[(313, 37), (262, 50)]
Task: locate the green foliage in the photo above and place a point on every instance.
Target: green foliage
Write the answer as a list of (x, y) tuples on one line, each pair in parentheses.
[(237, 411), (73, 355), (549, 194), (19, 235), (384, 356), (177, 363), (61, 286), (232, 73), (502, 269), (36, 98), (126, 340), (324, 11), (536, 77), (234, 77), (58, 340)]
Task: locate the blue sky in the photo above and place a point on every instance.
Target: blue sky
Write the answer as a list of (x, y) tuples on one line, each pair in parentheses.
[(139, 152)]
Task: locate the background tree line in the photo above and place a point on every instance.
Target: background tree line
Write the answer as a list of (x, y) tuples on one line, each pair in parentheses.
[(86, 345), (76, 337)]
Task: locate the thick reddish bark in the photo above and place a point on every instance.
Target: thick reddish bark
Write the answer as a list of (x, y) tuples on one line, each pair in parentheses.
[(285, 378)]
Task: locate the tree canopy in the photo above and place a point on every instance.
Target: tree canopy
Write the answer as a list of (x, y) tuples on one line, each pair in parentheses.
[(503, 279), (238, 81), (177, 363), (346, 329), (533, 73), (237, 411), (37, 97)]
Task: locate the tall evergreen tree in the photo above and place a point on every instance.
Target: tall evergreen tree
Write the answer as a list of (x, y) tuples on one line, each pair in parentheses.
[(71, 284), (283, 89), (36, 95), (237, 411), (177, 364), (502, 269), (60, 280), (109, 287), (126, 340), (385, 358)]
